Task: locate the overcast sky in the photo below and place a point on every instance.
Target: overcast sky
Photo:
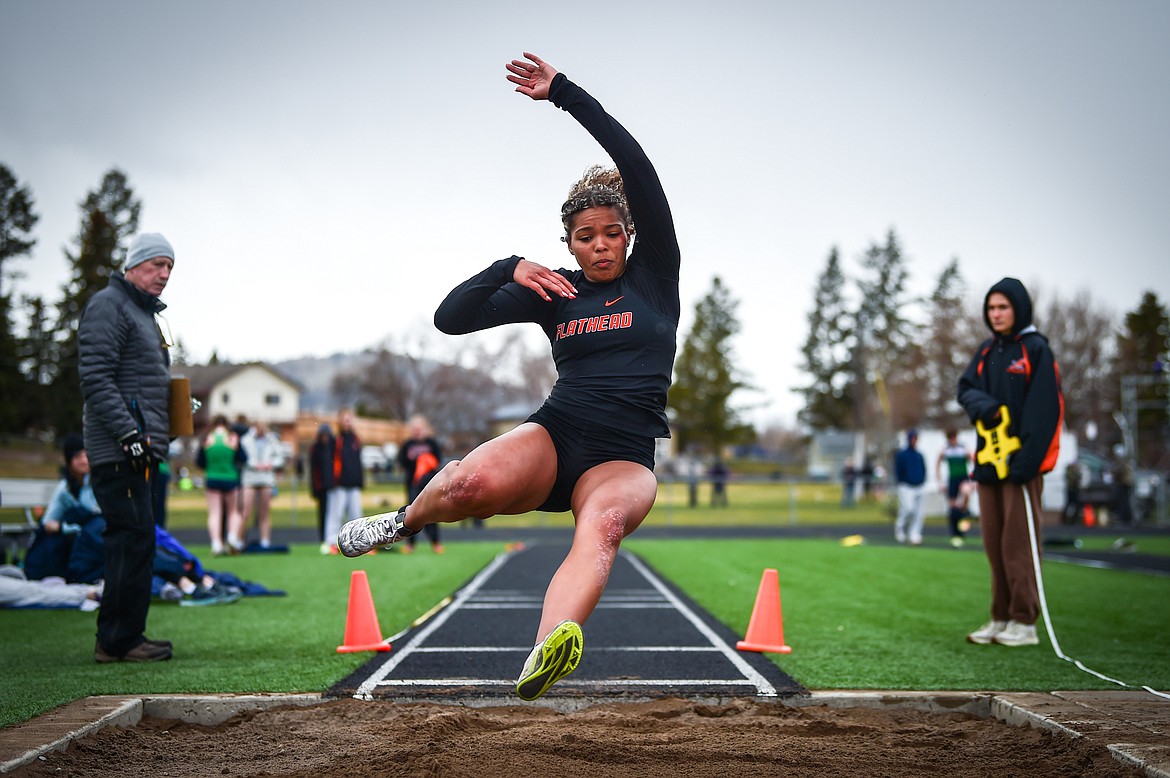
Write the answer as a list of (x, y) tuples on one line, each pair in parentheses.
[(327, 171)]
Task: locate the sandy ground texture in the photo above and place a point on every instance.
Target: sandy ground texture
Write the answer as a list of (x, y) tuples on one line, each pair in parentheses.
[(668, 737)]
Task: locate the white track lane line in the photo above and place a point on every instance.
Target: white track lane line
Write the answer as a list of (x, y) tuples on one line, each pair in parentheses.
[(363, 691), (763, 687), (623, 598)]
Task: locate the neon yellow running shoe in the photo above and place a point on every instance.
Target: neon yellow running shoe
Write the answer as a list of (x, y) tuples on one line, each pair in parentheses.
[(551, 660)]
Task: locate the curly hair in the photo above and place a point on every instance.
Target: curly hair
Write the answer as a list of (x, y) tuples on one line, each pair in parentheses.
[(598, 186)]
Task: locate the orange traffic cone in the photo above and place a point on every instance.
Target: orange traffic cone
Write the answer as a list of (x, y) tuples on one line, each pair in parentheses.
[(765, 631), (362, 632), (1090, 516)]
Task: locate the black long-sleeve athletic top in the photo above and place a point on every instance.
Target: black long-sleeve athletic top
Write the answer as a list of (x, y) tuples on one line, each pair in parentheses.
[(614, 343)]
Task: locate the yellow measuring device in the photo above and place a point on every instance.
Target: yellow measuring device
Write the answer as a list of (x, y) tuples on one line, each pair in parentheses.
[(997, 443)]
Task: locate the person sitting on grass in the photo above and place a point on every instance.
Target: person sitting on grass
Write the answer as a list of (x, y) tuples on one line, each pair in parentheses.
[(189, 583), (67, 545), (17, 591)]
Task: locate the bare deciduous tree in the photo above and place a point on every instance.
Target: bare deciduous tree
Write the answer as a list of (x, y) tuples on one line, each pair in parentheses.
[(1081, 334)]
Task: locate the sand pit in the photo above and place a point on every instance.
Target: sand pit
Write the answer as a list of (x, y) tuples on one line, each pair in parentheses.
[(667, 737)]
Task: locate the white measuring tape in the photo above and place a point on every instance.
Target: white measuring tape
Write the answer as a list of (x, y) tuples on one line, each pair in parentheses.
[(1044, 605)]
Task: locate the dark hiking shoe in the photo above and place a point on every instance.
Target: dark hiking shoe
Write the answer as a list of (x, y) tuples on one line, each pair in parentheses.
[(145, 651)]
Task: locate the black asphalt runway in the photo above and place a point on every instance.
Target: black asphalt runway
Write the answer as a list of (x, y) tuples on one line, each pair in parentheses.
[(645, 640)]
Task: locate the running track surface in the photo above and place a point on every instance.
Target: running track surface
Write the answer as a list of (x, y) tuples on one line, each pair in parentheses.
[(645, 639)]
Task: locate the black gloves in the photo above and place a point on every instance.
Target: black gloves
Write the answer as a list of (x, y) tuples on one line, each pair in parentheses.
[(990, 417), (137, 451)]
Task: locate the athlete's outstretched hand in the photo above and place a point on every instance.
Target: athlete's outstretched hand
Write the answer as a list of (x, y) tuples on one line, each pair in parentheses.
[(539, 278), (532, 78)]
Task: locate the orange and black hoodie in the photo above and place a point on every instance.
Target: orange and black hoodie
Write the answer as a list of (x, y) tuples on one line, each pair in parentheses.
[(1017, 370)]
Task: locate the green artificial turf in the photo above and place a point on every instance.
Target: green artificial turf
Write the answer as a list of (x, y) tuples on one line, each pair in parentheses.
[(895, 617), (258, 644), (865, 617)]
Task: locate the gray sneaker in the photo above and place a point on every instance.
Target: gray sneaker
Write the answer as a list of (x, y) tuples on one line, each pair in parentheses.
[(987, 632), (1017, 634), (362, 536)]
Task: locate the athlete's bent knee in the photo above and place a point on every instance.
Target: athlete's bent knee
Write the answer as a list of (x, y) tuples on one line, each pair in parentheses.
[(468, 488)]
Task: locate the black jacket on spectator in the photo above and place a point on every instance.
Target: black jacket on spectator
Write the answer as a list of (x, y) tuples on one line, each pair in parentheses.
[(321, 465), (124, 366), (347, 462)]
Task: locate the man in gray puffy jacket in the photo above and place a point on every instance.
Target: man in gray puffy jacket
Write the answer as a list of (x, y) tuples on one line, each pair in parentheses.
[(125, 381)]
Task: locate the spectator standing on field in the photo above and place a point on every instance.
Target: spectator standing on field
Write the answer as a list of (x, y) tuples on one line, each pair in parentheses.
[(221, 458), (719, 474), (910, 475), (1013, 369), (345, 496), (419, 457), (957, 460), (1122, 505), (848, 484), (125, 382), (1072, 494), (263, 457), (321, 478)]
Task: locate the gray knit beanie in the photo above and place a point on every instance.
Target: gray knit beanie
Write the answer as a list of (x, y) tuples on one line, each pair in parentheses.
[(148, 245)]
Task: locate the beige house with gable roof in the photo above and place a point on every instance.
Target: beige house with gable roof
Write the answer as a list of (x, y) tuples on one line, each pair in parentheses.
[(254, 390)]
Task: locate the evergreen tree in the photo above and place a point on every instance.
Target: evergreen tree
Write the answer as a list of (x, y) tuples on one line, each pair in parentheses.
[(109, 219), (883, 300), (179, 355), (17, 219), (828, 397), (947, 348), (1143, 348), (881, 342), (37, 363), (705, 378)]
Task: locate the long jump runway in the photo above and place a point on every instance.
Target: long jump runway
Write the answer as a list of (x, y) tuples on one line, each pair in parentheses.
[(644, 640)]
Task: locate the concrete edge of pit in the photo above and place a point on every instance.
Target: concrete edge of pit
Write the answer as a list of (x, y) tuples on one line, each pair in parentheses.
[(120, 712), (62, 726)]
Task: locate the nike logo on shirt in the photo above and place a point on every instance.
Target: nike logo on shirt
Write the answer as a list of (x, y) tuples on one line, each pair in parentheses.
[(611, 302)]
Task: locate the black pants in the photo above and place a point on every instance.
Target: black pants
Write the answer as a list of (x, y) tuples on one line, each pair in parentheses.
[(321, 508), (125, 499)]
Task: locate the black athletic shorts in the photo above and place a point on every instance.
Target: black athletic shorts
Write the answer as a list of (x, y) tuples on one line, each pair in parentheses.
[(581, 445)]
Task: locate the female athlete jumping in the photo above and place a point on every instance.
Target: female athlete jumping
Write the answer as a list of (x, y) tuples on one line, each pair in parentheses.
[(612, 324)]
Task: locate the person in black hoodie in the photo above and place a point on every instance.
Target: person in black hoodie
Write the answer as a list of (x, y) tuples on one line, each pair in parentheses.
[(1015, 370), (321, 477)]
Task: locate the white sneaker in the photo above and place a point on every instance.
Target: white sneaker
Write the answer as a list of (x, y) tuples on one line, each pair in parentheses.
[(1017, 634), (362, 536), (987, 632)]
